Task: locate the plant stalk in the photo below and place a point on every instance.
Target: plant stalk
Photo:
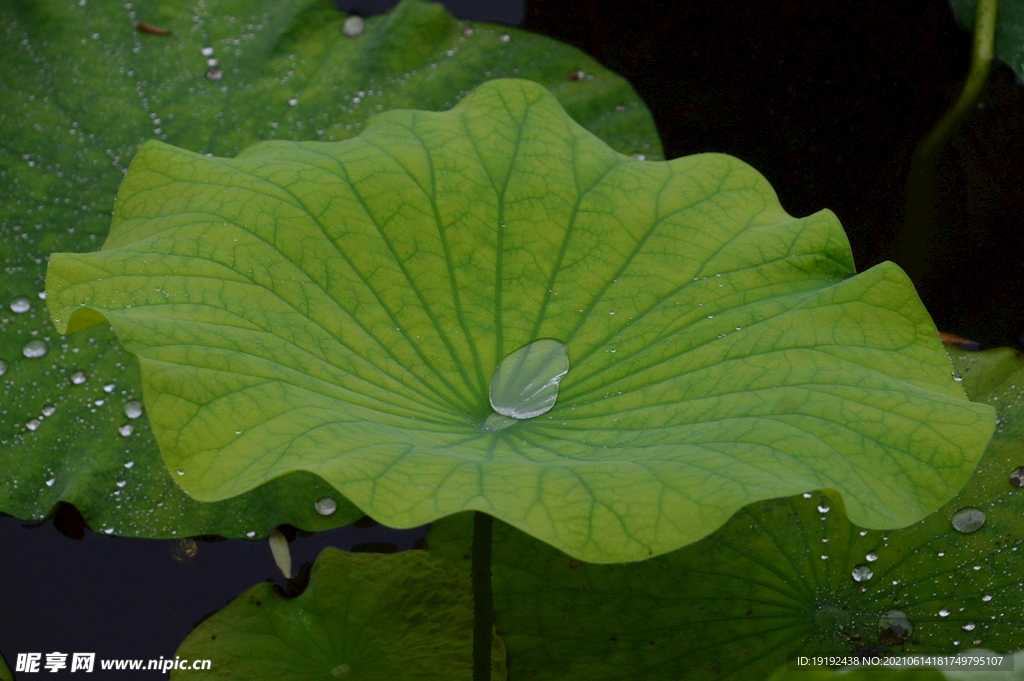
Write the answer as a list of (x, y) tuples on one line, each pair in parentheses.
[(483, 602), (919, 217)]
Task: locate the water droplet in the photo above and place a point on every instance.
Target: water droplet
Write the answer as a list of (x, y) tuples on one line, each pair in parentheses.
[(807, 495), (109, 388), (99, 403), (129, 464), (293, 101), (505, 38), (824, 557), (894, 627), (42, 295), (863, 533), (824, 508), (250, 533), (180, 472), (78, 378), (986, 598), (49, 483), (326, 506), (133, 409), (1017, 477), (871, 557), (944, 612), (3, 367), (207, 51), (468, 31), (525, 384), (969, 626), (639, 157), (968, 520), (122, 483), (109, 530), (941, 554), (49, 410), (353, 26), (20, 305), (33, 424), (126, 430), (214, 73), (862, 573), (34, 349), (341, 671)]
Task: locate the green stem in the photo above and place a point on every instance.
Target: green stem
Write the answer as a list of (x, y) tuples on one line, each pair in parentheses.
[(919, 219), (483, 604)]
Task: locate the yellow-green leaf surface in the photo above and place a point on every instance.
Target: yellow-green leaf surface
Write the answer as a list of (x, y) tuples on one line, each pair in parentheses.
[(341, 308), (783, 578), (5, 672), (82, 88), (364, 616)]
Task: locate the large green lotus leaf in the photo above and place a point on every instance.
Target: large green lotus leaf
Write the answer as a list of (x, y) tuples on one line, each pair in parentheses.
[(340, 308), (1009, 45), (399, 617), (82, 89), (777, 580)]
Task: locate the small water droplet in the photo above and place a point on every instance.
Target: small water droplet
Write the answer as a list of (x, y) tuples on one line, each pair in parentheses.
[(968, 520), (894, 627), (3, 367), (1017, 477), (78, 378), (944, 612), (941, 554), (20, 305), (863, 533), (181, 472), (109, 530), (969, 626), (353, 26), (49, 483), (468, 31), (505, 38), (326, 506), (214, 73), (109, 388), (207, 51), (293, 101), (986, 598), (99, 403), (126, 430), (49, 410), (807, 495), (250, 533), (341, 671), (122, 483), (34, 349), (871, 557), (133, 409), (129, 464), (824, 508), (42, 295), (33, 424), (862, 573)]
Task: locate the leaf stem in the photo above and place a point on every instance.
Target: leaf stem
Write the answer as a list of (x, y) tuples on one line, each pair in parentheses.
[(919, 215), (483, 605)]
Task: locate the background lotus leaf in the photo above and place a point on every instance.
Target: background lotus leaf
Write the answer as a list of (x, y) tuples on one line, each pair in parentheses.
[(363, 616), (83, 89), (1009, 45), (340, 308), (776, 580)]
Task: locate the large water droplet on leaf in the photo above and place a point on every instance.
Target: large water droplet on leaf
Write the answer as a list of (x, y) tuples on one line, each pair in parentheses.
[(862, 573), (326, 506), (133, 409), (34, 349), (894, 627), (968, 520), (78, 378), (20, 304), (525, 384)]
